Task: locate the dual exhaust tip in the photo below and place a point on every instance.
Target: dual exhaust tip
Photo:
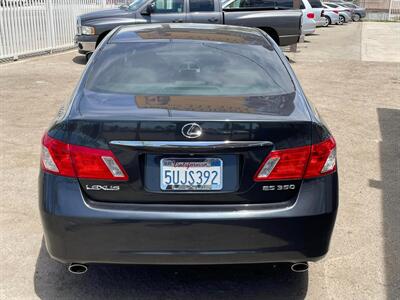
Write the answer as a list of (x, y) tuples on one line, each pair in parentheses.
[(76, 268)]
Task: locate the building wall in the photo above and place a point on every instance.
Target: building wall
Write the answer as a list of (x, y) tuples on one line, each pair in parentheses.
[(375, 4)]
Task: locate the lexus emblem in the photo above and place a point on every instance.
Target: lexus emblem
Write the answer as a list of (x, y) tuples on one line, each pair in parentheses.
[(191, 130)]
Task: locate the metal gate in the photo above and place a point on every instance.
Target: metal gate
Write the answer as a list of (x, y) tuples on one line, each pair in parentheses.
[(394, 10)]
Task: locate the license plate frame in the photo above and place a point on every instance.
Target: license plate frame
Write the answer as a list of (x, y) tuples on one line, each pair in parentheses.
[(210, 164)]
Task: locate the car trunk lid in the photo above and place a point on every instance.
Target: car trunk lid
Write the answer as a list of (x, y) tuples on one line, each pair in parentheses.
[(142, 130)]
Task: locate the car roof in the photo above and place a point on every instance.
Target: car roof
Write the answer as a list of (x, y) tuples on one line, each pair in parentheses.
[(189, 32)]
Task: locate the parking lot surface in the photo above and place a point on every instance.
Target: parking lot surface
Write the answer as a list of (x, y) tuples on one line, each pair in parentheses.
[(357, 92)]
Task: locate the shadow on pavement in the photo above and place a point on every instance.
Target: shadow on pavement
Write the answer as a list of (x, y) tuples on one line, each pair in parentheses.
[(53, 281), (291, 61), (389, 150), (79, 59)]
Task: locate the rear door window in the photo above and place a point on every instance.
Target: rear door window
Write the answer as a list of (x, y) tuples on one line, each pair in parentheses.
[(252, 4), (284, 4), (201, 5), (315, 3)]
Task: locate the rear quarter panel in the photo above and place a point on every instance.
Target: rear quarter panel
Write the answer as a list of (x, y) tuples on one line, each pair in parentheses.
[(284, 22)]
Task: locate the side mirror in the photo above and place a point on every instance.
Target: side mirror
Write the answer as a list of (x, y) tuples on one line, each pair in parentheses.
[(148, 10)]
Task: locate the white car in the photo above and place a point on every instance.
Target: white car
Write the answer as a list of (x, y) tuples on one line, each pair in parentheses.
[(331, 17), (308, 24), (315, 7), (345, 13)]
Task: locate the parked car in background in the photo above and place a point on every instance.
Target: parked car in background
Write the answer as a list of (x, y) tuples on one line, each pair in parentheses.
[(358, 12), (188, 144), (331, 17), (309, 24), (345, 13), (283, 25), (346, 8), (344, 16), (316, 7)]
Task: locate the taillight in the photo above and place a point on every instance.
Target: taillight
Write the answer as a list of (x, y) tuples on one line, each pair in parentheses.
[(298, 163), (56, 158), (310, 15), (322, 159), (78, 161), (284, 164), (336, 11)]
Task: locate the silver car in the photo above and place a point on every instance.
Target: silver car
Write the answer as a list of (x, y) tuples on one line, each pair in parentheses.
[(331, 18), (358, 11), (344, 14)]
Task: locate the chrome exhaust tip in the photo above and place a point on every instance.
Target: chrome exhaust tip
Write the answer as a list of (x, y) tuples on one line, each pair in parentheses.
[(299, 267), (75, 268)]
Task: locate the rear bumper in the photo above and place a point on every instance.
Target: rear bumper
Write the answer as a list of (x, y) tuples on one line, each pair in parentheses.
[(347, 17), (362, 13), (309, 30), (79, 230), (334, 18), (286, 40), (308, 27)]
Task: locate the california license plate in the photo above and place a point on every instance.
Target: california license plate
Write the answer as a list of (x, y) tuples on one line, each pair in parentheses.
[(188, 174)]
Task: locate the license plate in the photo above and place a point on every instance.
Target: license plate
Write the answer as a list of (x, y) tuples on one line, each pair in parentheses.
[(188, 174)]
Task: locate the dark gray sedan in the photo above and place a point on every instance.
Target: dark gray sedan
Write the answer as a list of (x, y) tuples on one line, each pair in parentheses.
[(188, 144)]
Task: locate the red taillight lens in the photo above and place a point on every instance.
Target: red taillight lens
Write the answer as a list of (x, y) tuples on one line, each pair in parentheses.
[(310, 15), (284, 164), (78, 161), (96, 164), (56, 158), (298, 163), (322, 159), (336, 11)]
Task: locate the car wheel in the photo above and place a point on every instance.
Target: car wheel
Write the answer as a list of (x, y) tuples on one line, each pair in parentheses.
[(341, 20), (327, 21), (356, 17)]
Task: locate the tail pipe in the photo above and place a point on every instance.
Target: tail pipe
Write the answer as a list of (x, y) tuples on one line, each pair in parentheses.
[(299, 267), (76, 268)]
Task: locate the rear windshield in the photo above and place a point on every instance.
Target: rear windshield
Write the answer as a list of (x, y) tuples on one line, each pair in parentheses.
[(188, 68), (315, 3), (331, 5)]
